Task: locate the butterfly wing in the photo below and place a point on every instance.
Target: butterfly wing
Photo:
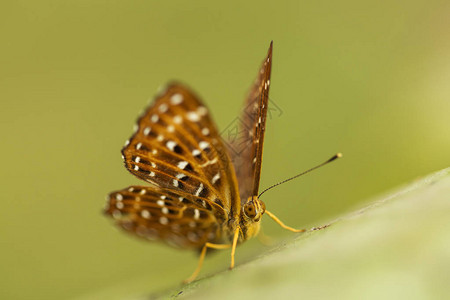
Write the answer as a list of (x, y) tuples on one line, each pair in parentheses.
[(246, 150), (177, 149), (156, 214)]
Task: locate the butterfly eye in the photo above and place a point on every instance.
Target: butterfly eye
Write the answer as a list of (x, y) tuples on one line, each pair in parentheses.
[(250, 210)]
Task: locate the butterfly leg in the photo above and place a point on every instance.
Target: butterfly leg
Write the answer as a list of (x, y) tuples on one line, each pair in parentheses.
[(202, 257), (282, 224), (233, 249)]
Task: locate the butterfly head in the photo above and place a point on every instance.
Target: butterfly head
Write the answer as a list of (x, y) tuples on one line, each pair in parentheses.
[(254, 209)]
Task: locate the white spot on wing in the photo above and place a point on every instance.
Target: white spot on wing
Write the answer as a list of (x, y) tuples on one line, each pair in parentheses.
[(177, 119), (176, 99), (209, 162), (193, 116), (182, 164), (203, 145), (180, 176), (145, 214), (171, 145), (205, 131), (199, 190), (202, 111), (163, 220), (154, 118), (163, 108), (116, 214), (196, 214), (215, 178)]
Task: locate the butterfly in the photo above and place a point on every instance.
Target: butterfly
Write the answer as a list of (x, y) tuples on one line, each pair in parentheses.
[(202, 193)]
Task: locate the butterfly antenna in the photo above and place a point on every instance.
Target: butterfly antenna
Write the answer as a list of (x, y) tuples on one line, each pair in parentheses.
[(338, 155)]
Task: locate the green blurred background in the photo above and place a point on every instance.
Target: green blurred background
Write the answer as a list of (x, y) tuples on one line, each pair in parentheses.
[(369, 79)]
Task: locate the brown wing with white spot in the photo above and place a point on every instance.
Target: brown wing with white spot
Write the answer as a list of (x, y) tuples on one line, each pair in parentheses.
[(156, 214), (177, 148), (248, 159)]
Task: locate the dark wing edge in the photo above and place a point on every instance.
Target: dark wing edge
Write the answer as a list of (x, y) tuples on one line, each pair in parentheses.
[(246, 150)]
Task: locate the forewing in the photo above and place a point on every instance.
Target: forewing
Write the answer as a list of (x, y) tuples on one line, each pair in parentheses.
[(177, 148), (156, 214), (246, 151)]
